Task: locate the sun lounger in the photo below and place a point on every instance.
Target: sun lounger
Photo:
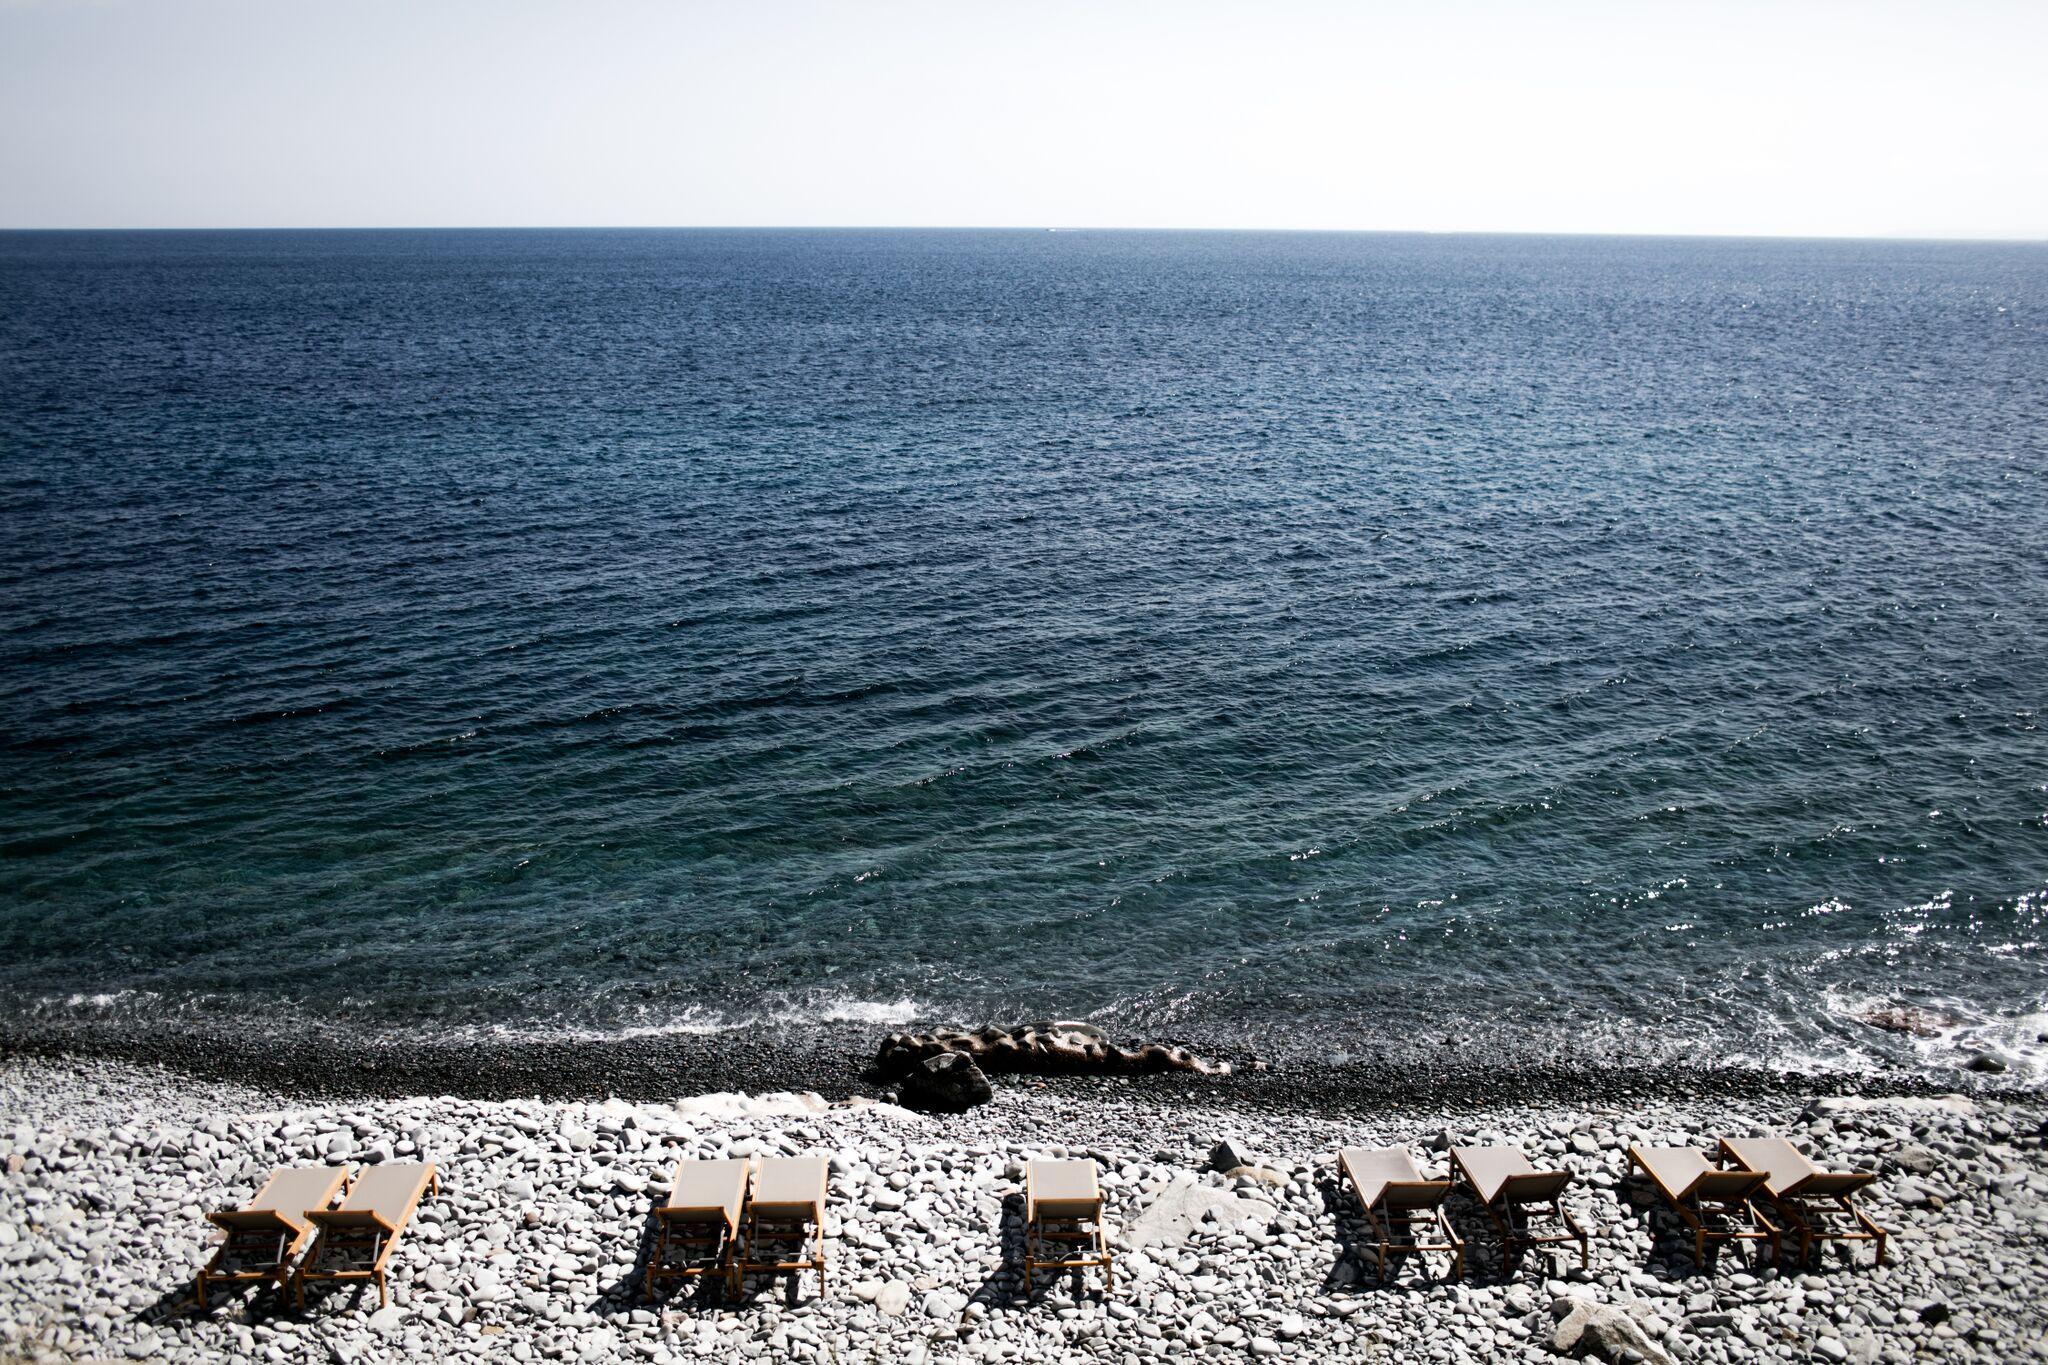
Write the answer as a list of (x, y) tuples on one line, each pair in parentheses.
[(1515, 1194), (356, 1239), (785, 1208), (696, 1229), (1398, 1202), (1063, 1212), (1716, 1203), (1814, 1201), (265, 1235)]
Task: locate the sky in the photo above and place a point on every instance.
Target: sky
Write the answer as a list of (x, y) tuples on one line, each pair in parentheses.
[(1656, 116)]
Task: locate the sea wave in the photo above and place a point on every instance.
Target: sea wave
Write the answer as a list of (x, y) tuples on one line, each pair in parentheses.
[(701, 1020)]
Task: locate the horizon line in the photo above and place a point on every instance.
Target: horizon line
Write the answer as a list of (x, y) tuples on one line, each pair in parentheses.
[(1902, 237)]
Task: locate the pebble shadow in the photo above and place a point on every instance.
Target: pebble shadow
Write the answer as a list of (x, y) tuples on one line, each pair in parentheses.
[(697, 1294), (1005, 1285), (1356, 1269)]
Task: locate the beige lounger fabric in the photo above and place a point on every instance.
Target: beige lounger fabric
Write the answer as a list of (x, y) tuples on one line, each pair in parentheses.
[(1815, 1201), (1488, 1168), (265, 1236), (786, 1204), (1063, 1209), (391, 1191), (1373, 1169), (1785, 1164), (1398, 1198), (356, 1240), (702, 1216), (1061, 1189), (1516, 1195), (1714, 1202), (285, 1197), (1676, 1169), (790, 1183), (709, 1187)]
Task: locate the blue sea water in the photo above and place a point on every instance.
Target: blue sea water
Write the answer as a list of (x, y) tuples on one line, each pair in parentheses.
[(1308, 640)]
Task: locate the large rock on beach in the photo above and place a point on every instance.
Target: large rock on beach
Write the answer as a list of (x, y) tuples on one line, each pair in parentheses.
[(1910, 1019), (1596, 1329), (1227, 1155), (1181, 1209), (1064, 1047), (949, 1083)]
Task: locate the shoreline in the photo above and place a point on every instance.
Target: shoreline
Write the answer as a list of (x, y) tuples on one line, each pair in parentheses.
[(328, 1064), (533, 1248)]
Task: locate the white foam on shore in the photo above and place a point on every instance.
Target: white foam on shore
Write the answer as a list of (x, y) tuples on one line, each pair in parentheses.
[(1958, 1032), (698, 1020), (98, 1002)]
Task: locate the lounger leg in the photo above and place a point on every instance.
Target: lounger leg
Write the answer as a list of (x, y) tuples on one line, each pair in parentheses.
[(202, 1282), (1030, 1237), (383, 1292)]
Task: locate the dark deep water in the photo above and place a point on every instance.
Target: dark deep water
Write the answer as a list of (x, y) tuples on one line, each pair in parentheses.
[(1305, 637)]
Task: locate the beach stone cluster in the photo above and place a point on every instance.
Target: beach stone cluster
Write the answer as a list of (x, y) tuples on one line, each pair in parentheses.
[(531, 1251), (1051, 1048)]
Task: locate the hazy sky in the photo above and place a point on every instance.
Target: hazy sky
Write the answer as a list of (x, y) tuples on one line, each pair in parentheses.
[(1794, 118)]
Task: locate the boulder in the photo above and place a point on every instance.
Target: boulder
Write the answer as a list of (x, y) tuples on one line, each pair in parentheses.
[(1182, 1207), (1228, 1156), (1590, 1328), (1048, 1047), (1920, 1023), (949, 1083)]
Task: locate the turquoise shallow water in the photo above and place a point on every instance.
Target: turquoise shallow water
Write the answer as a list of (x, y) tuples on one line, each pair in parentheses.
[(1302, 638)]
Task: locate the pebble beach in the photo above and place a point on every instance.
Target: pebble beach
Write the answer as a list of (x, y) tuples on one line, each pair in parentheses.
[(533, 1248)]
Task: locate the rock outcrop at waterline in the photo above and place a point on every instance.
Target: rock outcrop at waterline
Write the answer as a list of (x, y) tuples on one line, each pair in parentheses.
[(949, 1083), (1064, 1047)]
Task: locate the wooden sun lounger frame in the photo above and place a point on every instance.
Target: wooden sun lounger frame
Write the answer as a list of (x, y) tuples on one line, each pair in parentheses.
[(1819, 1209), (1520, 1198), (259, 1253), (681, 1226), (1395, 1211), (1719, 1206), (348, 1232), (1069, 1222), (779, 1221)]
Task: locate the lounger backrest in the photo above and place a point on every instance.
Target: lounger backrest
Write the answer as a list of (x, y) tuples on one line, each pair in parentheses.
[(1829, 1184), (1414, 1194), (282, 1203), (1723, 1186), (1686, 1176), (790, 1187), (1061, 1189), (1784, 1165), (1537, 1187), (382, 1197), (1488, 1168), (1674, 1169), (1372, 1169), (708, 1189)]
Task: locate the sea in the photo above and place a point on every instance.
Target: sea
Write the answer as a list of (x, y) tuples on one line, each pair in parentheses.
[(1295, 642)]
